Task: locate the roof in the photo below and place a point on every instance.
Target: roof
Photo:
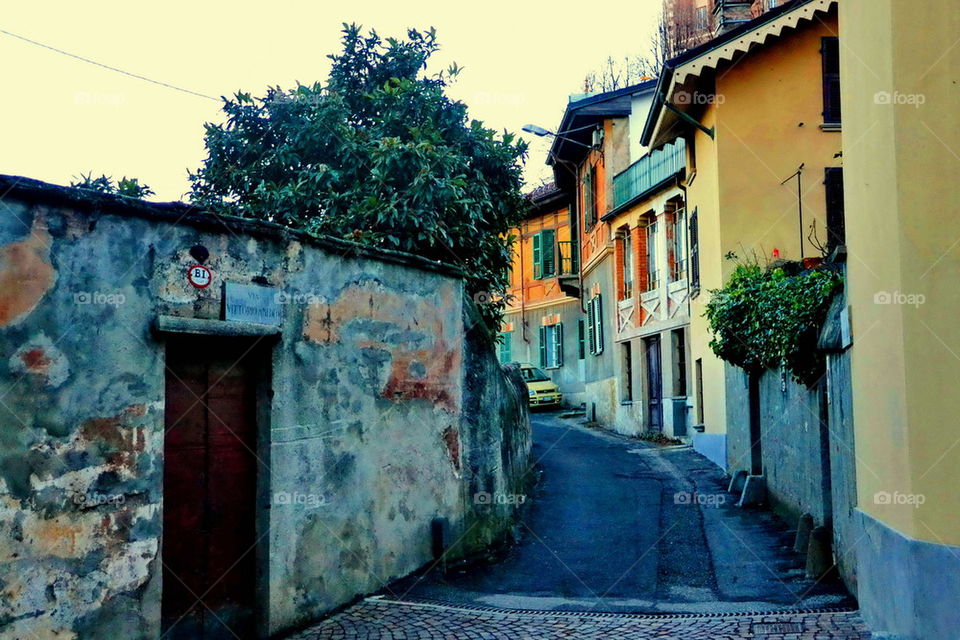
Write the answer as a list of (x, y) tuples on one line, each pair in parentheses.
[(686, 70), (546, 198), (181, 213), (581, 114)]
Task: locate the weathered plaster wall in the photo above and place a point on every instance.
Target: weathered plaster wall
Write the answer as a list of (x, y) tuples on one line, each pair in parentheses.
[(378, 412)]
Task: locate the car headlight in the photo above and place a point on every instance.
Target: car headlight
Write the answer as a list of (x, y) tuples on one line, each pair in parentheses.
[(532, 393)]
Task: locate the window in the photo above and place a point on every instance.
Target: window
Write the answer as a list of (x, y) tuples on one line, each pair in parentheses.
[(830, 54), (504, 349), (699, 370), (679, 249), (590, 198), (627, 391), (702, 20), (581, 338), (694, 254), (627, 264), (679, 363), (544, 254), (773, 3), (595, 325), (551, 346), (653, 276), (833, 183)]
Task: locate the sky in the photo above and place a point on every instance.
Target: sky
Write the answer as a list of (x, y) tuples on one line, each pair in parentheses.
[(63, 117)]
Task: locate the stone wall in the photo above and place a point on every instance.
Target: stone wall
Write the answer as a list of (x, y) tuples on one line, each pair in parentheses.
[(378, 402)]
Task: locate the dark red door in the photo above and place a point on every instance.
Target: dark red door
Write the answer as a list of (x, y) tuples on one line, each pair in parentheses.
[(210, 470)]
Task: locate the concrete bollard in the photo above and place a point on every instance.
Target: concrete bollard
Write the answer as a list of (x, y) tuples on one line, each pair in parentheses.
[(819, 554), (737, 481), (754, 492), (804, 527)]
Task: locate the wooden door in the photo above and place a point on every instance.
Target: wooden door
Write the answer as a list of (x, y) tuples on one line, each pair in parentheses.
[(654, 384), (210, 470)]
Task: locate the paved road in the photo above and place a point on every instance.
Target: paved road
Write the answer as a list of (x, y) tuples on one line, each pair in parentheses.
[(616, 526)]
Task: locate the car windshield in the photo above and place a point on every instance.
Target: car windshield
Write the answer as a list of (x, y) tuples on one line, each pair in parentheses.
[(534, 375)]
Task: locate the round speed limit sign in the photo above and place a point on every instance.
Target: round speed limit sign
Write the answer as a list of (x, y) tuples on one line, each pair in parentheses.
[(199, 276)]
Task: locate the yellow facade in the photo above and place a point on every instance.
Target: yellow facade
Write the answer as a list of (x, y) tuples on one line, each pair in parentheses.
[(766, 112), (901, 146)]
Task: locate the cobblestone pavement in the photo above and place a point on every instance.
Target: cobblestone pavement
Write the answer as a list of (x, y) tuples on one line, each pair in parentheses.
[(394, 620)]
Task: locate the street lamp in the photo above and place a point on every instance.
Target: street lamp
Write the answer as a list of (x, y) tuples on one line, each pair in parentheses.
[(541, 132)]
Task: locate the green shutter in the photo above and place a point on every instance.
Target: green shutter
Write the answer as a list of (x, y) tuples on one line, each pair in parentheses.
[(548, 253), (591, 327), (598, 318), (505, 348), (558, 344), (588, 200), (543, 346), (537, 257), (581, 338)]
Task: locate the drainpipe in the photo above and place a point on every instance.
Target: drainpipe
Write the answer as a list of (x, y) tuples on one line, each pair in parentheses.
[(523, 290)]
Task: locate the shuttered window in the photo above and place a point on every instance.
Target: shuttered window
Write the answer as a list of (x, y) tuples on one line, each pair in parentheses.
[(694, 254), (581, 338), (830, 53), (544, 254), (504, 349), (590, 198), (833, 185), (595, 325), (551, 346)]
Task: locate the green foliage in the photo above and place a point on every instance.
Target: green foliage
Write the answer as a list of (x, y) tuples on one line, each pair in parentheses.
[(379, 154), (765, 318), (129, 187)]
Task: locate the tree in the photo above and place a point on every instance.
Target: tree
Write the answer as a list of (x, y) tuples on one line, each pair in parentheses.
[(129, 187), (379, 154), (677, 31)]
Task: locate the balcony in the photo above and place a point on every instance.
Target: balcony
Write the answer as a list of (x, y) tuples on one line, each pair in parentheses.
[(569, 274), (649, 171), (567, 254)]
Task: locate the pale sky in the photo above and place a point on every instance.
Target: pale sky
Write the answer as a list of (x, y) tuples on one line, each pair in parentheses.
[(62, 117)]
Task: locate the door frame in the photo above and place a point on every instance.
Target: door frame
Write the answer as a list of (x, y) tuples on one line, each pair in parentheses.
[(265, 338)]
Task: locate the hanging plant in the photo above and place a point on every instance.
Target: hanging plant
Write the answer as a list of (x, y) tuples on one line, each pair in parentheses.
[(764, 318)]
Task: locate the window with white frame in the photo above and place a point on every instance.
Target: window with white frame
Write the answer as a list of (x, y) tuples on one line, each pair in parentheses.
[(551, 346), (653, 275), (627, 265), (595, 325), (679, 248)]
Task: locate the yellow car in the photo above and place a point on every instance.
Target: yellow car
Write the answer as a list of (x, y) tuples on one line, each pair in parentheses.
[(543, 391)]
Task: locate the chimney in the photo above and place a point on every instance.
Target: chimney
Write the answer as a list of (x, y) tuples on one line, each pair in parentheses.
[(730, 14)]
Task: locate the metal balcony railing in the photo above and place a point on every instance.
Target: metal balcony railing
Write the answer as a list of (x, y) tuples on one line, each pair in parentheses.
[(649, 171), (569, 260)]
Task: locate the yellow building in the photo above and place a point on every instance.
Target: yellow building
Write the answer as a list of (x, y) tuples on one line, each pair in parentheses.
[(758, 109), (901, 153)]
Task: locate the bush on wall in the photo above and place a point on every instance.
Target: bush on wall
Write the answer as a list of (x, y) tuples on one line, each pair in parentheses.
[(764, 318)]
